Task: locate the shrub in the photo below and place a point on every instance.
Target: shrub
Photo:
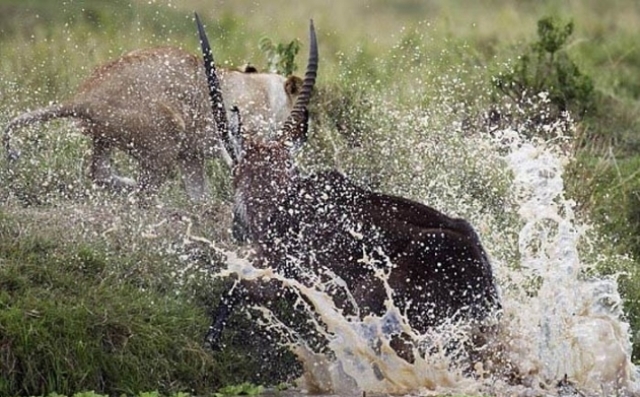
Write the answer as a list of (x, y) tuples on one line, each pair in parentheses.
[(546, 67), (281, 57)]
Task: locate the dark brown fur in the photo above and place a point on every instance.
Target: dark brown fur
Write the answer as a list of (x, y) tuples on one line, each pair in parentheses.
[(436, 265)]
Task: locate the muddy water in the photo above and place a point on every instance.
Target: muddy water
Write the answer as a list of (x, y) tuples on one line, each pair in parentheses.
[(556, 322)]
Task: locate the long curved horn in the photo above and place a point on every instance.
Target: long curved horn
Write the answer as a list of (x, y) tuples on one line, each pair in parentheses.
[(215, 91), (294, 127)]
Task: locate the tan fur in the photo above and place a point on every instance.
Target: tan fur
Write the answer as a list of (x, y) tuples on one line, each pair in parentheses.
[(259, 94), (154, 105)]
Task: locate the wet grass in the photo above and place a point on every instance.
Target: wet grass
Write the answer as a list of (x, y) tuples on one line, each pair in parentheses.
[(90, 302), (99, 295), (69, 322)]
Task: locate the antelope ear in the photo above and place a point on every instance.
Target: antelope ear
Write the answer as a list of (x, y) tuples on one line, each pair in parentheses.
[(235, 133)]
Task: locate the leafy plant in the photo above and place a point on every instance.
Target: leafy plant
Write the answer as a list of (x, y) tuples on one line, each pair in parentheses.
[(141, 394), (281, 56), (242, 389), (149, 394), (547, 67), (94, 394)]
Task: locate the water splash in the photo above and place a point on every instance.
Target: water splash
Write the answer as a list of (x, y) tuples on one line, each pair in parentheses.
[(558, 323), (571, 324)]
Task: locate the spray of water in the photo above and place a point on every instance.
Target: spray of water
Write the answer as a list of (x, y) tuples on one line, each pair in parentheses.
[(572, 325), (557, 323)]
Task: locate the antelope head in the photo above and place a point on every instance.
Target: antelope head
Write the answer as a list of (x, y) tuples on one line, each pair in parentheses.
[(262, 170)]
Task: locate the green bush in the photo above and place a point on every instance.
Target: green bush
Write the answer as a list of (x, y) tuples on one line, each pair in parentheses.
[(546, 67), (281, 57)]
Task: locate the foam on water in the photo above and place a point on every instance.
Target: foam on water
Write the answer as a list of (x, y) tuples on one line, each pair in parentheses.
[(556, 321)]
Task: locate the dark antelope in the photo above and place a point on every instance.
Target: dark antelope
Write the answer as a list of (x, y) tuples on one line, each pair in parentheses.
[(436, 266)]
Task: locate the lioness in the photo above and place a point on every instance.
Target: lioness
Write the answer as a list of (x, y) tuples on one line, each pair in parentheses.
[(154, 105)]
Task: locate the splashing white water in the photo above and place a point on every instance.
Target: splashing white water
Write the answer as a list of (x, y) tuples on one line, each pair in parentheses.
[(556, 321), (572, 325)]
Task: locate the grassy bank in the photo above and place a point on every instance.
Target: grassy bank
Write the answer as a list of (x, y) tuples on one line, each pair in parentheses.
[(132, 292), (95, 302)]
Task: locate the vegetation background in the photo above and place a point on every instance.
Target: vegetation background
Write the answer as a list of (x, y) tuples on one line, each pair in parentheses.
[(96, 294)]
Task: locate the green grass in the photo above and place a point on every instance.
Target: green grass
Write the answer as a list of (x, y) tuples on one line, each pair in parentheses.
[(70, 323), (120, 313), (93, 291)]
